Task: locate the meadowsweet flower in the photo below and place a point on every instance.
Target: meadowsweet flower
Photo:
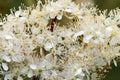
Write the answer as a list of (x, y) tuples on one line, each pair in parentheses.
[(1, 23), (33, 43)]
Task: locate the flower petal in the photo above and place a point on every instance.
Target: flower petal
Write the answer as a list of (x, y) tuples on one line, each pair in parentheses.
[(33, 66), (6, 58), (5, 67), (19, 78)]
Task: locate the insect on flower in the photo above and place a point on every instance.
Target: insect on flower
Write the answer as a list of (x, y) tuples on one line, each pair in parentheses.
[(52, 24)]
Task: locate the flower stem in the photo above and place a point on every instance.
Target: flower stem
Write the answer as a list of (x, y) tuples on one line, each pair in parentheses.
[(102, 71)]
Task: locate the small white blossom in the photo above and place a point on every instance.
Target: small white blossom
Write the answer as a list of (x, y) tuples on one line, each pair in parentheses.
[(32, 66), (1, 23), (79, 72), (59, 17), (5, 66), (8, 77), (79, 79), (96, 41), (17, 13), (115, 63), (68, 10), (35, 30), (87, 38), (23, 19), (115, 40), (17, 58), (108, 31), (8, 36), (48, 46), (24, 70)]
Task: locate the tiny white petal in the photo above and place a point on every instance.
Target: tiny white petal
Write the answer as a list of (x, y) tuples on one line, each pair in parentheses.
[(78, 34), (33, 66), (101, 40), (96, 41), (30, 74), (35, 30), (24, 70), (79, 79), (52, 16), (17, 58), (107, 21), (48, 46), (23, 19), (115, 63), (87, 38), (79, 72), (54, 73), (68, 10), (50, 9), (5, 67), (1, 23), (59, 17), (8, 77), (108, 31), (14, 58), (8, 36), (19, 78), (115, 40), (10, 45), (6, 58), (17, 13), (80, 17)]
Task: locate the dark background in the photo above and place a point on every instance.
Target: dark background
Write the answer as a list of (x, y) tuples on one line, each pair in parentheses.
[(6, 5)]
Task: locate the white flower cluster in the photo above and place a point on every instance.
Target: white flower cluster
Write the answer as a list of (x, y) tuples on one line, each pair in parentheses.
[(78, 50)]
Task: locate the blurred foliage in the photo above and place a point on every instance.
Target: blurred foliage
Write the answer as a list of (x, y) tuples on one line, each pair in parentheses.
[(6, 5), (114, 72), (107, 4)]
